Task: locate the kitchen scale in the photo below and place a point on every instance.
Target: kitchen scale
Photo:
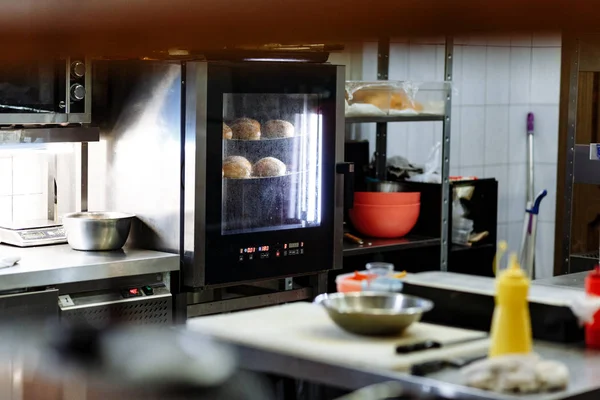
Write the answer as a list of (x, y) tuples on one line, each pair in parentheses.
[(32, 233)]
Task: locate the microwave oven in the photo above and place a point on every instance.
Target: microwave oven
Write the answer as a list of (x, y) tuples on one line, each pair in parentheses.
[(45, 92)]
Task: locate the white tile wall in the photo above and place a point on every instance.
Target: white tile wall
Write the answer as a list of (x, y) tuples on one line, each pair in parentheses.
[(421, 138), (422, 63), (29, 207), (520, 75), (517, 133), (545, 67), (496, 133), (472, 136), (457, 74), (515, 233), (502, 230), (497, 81), (500, 172), (5, 176), (472, 86), (5, 208), (24, 186), (517, 176), (398, 60), (28, 174), (497, 75)]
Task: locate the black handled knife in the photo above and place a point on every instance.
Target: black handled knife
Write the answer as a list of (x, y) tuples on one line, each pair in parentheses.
[(431, 344), (431, 367)]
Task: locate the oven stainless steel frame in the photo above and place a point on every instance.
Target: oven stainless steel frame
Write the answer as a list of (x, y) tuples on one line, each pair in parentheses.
[(160, 173), (66, 117), (195, 146)]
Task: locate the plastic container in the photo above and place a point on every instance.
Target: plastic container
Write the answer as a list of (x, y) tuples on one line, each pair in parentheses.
[(381, 269), (394, 98), (511, 323), (592, 288), (377, 279), (462, 224), (387, 198), (354, 282), (384, 221), (460, 236), (461, 230)]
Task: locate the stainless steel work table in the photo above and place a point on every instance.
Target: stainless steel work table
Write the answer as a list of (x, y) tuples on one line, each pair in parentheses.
[(572, 281), (583, 365), (59, 264)]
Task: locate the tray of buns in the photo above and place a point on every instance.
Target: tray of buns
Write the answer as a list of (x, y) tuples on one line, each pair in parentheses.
[(248, 129), (252, 150)]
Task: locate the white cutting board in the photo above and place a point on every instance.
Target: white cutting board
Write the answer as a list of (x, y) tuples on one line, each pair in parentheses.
[(304, 330)]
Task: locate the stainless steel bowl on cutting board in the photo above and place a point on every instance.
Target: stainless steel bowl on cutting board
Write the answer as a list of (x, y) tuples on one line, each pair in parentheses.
[(373, 313), (97, 231)]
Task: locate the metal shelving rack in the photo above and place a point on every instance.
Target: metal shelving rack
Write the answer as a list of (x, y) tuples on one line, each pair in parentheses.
[(582, 160), (381, 158)]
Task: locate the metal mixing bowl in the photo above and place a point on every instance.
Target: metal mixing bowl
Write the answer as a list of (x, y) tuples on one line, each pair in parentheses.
[(97, 230), (373, 313)]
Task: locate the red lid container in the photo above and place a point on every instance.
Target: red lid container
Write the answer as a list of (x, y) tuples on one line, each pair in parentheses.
[(592, 288)]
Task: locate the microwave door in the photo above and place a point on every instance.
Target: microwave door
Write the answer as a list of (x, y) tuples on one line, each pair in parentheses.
[(45, 92)]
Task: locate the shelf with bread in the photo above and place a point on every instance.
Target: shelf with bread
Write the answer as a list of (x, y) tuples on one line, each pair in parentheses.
[(393, 118), (395, 101)]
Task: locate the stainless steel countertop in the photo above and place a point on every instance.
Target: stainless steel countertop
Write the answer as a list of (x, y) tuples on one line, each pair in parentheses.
[(583, 365), (59, 264), (576, 281)]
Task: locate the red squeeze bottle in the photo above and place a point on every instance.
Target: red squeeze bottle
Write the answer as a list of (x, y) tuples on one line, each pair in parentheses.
[(592, 288)]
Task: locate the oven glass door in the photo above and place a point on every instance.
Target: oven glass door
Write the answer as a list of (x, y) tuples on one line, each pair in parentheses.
[(272, 127), (272, 151)]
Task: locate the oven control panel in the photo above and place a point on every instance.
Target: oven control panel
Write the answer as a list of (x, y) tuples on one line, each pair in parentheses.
[(275, 251)]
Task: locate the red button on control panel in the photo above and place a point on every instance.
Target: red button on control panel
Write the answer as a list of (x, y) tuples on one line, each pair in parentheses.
[(134, 292)]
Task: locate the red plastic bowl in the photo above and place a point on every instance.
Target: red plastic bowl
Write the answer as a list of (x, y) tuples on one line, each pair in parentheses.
[(384, 221), (387, 198)]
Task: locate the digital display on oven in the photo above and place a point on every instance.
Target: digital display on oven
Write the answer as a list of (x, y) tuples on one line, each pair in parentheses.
[(271, 251)]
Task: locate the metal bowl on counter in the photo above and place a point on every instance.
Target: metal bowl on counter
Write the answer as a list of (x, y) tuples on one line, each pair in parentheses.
[(97, 231), (373, 313)]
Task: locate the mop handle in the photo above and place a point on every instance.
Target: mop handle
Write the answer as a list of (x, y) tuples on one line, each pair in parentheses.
[(530, 123), (535, 208)]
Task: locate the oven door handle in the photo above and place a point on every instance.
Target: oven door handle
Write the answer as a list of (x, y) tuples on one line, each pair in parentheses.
[(347, 169)]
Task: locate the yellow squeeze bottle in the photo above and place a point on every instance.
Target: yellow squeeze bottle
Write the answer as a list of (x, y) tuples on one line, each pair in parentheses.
[(511, 324)]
